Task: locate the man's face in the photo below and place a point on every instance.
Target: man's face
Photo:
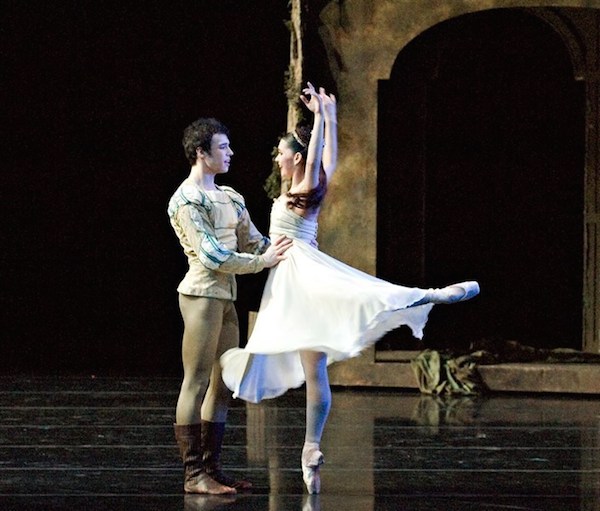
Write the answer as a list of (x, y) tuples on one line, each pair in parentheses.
[(219, 159)]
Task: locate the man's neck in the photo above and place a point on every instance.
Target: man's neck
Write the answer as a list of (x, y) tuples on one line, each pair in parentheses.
[(203, 179)]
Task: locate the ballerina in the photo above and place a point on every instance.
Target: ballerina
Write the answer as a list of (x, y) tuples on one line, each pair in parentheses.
[(316, 310)]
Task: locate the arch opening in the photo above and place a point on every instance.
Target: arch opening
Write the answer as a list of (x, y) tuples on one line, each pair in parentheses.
[(481, 144)]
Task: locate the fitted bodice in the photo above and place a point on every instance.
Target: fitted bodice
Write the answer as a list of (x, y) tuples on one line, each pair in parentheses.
[(285, 221)]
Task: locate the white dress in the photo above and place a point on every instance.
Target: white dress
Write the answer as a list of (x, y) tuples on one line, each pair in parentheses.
[(312, 301)]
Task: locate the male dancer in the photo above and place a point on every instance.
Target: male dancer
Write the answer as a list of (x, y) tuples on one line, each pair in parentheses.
[(219, 240)]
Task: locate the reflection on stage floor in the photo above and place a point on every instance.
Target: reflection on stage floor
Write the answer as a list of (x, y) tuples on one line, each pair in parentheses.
[(106, 444)]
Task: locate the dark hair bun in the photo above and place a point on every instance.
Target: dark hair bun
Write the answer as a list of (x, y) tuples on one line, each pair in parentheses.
[(303, 132)]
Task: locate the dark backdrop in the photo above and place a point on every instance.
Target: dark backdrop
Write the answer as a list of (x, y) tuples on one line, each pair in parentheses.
[(96, 95), (481, 175)]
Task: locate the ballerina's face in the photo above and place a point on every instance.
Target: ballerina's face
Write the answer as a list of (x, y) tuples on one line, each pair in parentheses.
[(286, 159)]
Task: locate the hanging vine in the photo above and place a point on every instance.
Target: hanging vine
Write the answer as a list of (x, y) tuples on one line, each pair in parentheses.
[(292, 88)]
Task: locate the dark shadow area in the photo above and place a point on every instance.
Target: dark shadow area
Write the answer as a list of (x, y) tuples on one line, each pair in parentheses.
[(96, 96), (480, 176)]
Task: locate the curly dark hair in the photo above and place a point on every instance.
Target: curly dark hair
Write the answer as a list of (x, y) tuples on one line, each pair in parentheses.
[(199, 134)]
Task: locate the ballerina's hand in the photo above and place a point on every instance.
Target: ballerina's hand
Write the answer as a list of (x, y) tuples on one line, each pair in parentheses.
[(314, 101), (329, 104)]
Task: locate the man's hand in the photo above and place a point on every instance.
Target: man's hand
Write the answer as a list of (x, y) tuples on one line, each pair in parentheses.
[(276, 252)]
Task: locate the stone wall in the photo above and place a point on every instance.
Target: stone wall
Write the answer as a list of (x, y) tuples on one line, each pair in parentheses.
[(363, 39)]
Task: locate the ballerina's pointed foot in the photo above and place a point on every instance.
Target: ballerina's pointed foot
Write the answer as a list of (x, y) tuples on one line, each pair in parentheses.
[(312, 459), (454, 293)]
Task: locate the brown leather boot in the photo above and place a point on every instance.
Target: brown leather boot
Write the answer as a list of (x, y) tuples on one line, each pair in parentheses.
[(212, 440), (196, 480)]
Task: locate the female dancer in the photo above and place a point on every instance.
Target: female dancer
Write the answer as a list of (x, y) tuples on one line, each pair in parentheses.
[(316, 310)]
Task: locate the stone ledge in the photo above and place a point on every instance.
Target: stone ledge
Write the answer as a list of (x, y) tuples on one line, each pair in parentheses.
[(565, 378), (368, 370)]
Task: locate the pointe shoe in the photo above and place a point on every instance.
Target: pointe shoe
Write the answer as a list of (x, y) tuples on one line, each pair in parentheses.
[(454, 293), (312, 459)]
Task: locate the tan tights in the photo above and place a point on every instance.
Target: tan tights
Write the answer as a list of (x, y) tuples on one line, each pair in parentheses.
[(210, 328)]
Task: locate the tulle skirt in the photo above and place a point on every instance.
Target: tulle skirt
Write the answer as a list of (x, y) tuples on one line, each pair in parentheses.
[(312, 301)]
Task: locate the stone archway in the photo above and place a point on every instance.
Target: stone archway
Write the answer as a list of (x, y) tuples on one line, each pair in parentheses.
[(363, 39), (480, 169), (363, 42)]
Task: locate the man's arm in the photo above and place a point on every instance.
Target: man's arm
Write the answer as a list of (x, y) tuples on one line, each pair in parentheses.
[(249, 237), (195, 223)]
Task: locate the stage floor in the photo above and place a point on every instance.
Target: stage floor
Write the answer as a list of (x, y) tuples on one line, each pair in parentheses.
[(107, 444)]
